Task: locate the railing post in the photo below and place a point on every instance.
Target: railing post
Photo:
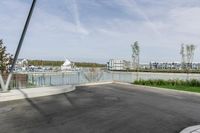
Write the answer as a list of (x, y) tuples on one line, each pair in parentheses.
[(78, 77), (62, 78), (50, 79)]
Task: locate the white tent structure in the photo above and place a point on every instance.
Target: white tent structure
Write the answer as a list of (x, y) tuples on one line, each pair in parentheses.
[(68, 65)]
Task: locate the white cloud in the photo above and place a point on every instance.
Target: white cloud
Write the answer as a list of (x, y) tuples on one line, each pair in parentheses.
[(131, 7), (73, 8), (186, 20), (53, 36), (12, 19), (45, 31)]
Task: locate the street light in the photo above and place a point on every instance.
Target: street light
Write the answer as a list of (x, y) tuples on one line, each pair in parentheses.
[(5, 87)]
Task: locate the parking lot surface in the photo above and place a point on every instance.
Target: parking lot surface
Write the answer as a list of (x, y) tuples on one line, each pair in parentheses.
[(109, 108)]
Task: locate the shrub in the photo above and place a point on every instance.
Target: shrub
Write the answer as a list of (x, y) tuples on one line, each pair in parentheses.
[(160, 82)]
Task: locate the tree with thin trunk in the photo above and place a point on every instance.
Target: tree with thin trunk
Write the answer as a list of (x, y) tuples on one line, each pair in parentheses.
[(187, 53), (136, 56), (182, 52), (190, 55)]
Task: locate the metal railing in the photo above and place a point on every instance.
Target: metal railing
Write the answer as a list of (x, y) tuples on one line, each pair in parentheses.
[(31, 80)]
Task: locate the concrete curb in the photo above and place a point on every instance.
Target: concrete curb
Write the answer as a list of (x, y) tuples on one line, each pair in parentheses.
[(47, 91), (43, 91), (93, 84), (122, 83), (162, 89), (35, 92), (171, 90), (193, 129)]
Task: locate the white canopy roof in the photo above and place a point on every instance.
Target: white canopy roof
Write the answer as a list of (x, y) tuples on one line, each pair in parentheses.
[(67, 62)]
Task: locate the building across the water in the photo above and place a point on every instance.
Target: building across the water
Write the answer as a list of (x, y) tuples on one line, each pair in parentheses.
[(172, 65), (117, 64), (21, 65)]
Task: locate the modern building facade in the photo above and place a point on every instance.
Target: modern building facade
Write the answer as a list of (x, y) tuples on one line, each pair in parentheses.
[(117, 64), (172, 65), (21, 65)]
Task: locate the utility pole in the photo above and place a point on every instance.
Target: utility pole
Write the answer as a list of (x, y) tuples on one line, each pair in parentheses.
[(3, 85)]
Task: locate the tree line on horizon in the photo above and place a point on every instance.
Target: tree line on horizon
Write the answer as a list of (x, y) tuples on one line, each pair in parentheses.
[(187, 53), (6, 60), (59, 63)]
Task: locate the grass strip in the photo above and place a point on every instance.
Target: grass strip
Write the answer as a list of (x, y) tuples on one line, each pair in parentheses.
[(188, 85)]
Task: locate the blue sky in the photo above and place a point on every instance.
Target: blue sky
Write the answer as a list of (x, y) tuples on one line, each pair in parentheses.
[(98, 30)]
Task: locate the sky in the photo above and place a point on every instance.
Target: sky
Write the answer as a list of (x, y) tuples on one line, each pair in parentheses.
[(99, 30)]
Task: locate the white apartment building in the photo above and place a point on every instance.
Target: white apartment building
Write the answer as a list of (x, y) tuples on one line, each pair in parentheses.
[(22, 63), (117, 64), (172, 65)]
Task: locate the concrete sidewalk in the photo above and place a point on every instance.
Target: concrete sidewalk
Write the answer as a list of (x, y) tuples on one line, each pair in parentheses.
[(42, 91), (35, 92)]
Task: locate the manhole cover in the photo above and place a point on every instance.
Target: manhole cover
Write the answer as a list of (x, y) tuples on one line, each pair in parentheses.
[(5, 109), (192, 129)]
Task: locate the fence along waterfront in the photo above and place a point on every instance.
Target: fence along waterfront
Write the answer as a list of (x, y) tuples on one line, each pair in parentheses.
[(81, 77)]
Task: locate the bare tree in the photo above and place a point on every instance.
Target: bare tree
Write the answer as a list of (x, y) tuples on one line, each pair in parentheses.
[(190, 55), (182, 52), (93, 74), (187, 53), (192, 50), (136, 56)]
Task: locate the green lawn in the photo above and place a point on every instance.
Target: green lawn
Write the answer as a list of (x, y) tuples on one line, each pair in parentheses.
[(188, 85), (179, 87)]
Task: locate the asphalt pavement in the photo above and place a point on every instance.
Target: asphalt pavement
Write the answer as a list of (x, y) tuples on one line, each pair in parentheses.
[(109, 108)]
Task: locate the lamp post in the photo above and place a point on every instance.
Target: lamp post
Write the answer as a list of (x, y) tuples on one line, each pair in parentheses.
[(5, 86)]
